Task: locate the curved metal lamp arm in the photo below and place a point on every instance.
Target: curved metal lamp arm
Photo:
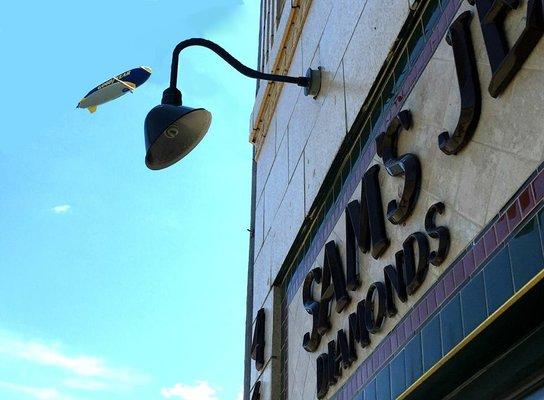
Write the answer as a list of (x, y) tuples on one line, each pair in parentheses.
[(311, 82)]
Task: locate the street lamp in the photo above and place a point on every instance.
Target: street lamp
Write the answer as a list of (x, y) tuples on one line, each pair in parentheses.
[(173, 130)]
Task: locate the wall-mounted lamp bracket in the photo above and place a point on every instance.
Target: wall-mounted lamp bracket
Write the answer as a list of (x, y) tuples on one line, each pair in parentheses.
[(311, 82)]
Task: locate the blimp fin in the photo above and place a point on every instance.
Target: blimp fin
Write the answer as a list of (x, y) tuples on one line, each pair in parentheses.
[(131, 85), (92, 109)]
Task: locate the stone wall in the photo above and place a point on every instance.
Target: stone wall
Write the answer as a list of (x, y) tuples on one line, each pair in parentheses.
[(348, 40), (351, 40)]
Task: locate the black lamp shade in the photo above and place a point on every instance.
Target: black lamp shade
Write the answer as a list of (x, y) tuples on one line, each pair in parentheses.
[(171, 132)]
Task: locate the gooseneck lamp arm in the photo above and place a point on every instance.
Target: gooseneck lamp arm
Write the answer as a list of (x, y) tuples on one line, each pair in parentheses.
[(311, 82), (173, 130)]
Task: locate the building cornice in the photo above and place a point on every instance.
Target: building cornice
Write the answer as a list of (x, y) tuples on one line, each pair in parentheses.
[(269, 93)]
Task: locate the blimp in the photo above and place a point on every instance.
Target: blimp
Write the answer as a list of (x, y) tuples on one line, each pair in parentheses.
[(115, 87)]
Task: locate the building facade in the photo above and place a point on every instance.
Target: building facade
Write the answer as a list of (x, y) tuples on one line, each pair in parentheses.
[(398, 219)]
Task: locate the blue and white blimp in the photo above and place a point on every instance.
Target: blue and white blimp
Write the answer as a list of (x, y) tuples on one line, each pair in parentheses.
[(115, 87)]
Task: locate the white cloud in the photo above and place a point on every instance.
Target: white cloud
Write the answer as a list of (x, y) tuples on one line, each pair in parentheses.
[(200, 391), (85, 384), (84, 372), (61, 209), (37, 393), (45, 355)]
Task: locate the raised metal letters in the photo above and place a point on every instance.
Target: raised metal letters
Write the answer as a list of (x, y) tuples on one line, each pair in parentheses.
[(441, 233), (407, 165), (356, 233), (333, 271), (257, 344), (365, 226), (414, 275), (505, 61), (334, 362), (322, 375), (318, 310), (342, 352), (460, 38), (347, 350), (373, 195), (394, 282), (357, 326), (310, 304), (333, 284), (375, 307), (256, 391)]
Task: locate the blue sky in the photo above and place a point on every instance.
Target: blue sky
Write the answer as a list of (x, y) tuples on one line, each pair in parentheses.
[(117, 282)]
